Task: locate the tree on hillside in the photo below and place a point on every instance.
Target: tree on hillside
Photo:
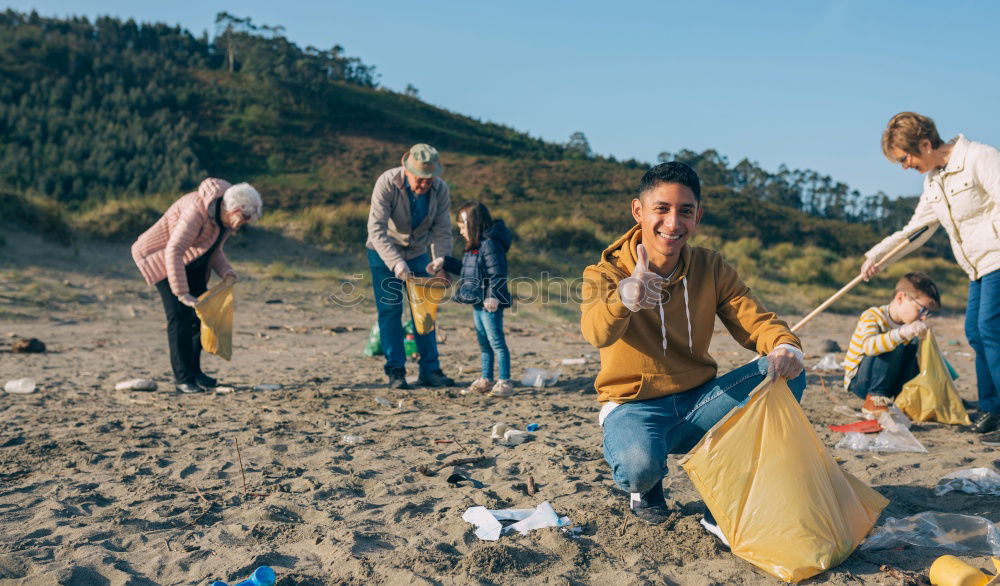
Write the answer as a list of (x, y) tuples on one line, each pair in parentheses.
[(578, 146)]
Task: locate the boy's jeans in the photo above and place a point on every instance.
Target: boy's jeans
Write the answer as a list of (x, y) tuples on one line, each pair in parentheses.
[(982, 328), (885, 374), (639, 435), (390, 295), (489, 332)]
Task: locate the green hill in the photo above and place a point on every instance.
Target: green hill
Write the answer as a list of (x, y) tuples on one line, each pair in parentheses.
[(103, 123)]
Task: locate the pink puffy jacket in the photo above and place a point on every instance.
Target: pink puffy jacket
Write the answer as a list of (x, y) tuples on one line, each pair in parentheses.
[(186, 231)]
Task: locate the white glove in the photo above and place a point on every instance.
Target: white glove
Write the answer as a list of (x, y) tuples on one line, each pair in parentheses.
[(402, 271), (435, 265), (869, 268), (188, 299), (642, 289), (490, 304), (913, 329), (784, 363)]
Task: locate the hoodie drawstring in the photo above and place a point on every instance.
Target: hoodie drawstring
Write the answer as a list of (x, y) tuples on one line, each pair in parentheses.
[(687, 314)]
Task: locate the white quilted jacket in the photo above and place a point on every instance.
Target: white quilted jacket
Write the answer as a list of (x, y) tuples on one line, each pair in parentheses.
[(964, 198)]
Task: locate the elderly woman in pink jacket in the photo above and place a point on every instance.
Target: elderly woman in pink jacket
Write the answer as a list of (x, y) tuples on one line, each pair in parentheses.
[(176, 256), (962, 195)]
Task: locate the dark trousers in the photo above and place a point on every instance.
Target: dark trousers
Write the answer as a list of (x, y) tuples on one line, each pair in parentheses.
[(885, 374), (183, 325)]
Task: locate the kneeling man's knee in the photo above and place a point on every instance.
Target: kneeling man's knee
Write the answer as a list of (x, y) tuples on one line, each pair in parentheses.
[(635, 469)]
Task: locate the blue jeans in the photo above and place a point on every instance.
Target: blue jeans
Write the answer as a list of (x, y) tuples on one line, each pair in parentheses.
[(489, 332), (982, 328), (390, 297), (639, 435)]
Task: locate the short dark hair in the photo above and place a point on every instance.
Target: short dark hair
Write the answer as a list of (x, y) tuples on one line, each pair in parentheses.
[(917, 282), (672, 172)]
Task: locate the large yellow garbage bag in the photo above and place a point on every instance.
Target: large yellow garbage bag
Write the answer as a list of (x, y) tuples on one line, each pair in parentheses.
[(776, 493), (425, 293), (215, 310), (931, 395)]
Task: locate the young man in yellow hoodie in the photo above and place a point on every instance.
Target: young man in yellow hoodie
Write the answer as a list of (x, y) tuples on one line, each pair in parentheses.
[(650, 307)]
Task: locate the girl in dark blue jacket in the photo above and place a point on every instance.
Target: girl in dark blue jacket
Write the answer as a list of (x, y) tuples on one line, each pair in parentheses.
[(483, 284)]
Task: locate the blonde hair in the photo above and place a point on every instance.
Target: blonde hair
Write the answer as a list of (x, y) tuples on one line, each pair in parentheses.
[(905, 131), (245, 198)]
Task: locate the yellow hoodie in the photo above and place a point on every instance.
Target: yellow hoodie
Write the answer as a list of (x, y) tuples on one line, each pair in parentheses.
[(634, 364)]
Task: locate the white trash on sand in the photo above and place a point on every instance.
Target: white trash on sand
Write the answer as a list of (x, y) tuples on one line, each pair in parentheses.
[(20, 386), (951, 531), (894, 437), (136, 384), (538, 378), (509, 435), (489, 528), (828, 362), (984, 481)]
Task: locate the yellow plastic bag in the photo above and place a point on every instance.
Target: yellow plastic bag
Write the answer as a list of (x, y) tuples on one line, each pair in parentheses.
[(776, 493), (215, 310), (425, 293), (931, 395)]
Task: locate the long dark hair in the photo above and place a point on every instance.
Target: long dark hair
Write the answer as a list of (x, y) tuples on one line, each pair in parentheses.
[(477, 220)]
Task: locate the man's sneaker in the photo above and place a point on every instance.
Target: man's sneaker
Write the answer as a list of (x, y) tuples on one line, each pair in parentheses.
[(397, 379), (650, 506), (875, 405), (708, 522), (986, 422), (480, 386), (503, 388), (435, 378), (990, 439), (205, 381)]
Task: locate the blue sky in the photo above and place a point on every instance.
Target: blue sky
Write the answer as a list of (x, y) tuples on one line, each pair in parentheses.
[(805, 83)]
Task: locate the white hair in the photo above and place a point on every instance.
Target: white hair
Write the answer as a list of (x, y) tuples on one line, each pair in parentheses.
[(245, 198)]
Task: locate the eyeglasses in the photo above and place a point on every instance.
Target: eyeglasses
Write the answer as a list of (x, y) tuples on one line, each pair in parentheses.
[(924, 312)]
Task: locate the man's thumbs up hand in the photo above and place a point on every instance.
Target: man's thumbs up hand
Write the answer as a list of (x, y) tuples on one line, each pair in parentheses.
[(642, 289)]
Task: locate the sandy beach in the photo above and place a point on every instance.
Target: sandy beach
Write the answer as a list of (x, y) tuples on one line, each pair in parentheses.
[(99, 486)]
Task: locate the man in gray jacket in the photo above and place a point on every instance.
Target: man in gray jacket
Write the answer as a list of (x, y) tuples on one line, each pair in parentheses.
[(410, 210)]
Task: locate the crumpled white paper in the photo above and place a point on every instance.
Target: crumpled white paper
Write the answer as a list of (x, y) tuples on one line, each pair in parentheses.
[(828, 362), (509, 435), (489, 528)]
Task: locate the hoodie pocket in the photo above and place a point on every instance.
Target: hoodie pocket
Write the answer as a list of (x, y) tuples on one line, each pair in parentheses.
[(654, 385)]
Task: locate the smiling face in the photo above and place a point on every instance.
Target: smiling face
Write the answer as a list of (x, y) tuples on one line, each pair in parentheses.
[(669, 215)]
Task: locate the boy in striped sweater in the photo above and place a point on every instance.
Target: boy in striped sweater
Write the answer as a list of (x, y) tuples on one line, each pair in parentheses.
[(882, 355)]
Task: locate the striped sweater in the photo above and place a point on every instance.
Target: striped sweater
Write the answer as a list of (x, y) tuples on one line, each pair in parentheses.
[(185, 232), (875, 334)]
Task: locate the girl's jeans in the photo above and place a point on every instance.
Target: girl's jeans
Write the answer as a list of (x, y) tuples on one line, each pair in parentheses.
[(492, 344)]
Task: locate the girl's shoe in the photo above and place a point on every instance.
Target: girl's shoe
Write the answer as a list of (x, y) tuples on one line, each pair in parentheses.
[(503, 388), (481, 386)]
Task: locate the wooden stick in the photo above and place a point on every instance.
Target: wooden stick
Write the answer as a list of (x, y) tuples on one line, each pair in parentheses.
[(459, 445), (432, 469), (621, 530), (532, 489), (854, 282), (241, 467)]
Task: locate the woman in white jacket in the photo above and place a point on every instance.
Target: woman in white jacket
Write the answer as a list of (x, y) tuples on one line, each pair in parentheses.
[(961, 194)]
